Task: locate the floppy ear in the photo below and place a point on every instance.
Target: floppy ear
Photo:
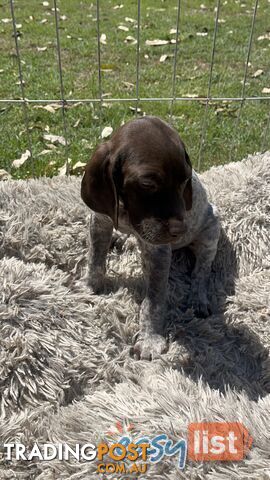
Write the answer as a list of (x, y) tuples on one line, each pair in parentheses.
[(98, 188), (188, 188)]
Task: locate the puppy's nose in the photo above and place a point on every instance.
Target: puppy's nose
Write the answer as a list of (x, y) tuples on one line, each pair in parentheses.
[(176, 227)]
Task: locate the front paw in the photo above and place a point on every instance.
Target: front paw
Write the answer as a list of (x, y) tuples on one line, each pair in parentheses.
[(199, 302), (96, 282), (201, 308), (150, 346)]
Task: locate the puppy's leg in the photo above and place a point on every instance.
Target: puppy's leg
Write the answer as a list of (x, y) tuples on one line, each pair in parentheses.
[(156, 263), (101, 228), (204, 248)]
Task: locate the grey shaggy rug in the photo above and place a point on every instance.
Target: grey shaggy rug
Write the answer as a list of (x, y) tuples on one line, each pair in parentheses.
[(67, 371)]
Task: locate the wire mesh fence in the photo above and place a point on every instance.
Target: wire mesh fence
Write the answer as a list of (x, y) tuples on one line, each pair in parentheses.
[(172, 100)]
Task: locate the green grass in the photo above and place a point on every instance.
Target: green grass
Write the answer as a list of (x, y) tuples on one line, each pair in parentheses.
[(79, 59)]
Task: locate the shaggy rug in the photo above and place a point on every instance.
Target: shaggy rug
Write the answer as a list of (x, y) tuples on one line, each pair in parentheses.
[(67, 374)]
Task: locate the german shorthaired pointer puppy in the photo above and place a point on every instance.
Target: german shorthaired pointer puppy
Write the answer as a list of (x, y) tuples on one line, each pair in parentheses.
[(141, 182)]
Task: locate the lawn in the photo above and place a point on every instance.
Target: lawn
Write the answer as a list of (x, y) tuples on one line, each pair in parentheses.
[(228, 135)]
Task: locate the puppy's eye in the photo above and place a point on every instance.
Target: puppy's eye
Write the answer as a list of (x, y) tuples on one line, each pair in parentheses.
[(149, 185)]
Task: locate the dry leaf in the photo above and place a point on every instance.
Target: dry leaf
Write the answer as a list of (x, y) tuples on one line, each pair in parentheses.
[(123, 28), (106, 132), (134, 109), (51, 146), (54, 138), (76, 124), (41, 49), (50, 107), (20, 161), (203, 7), (191, 95), (63, 170), (163, 58), (130, 20), (1, 70), (201, 34), (257, 73), (103, 38), (266, 90), (130, 40), (18, 25), (63, 17), (220, 110), (128, 84), (264, 37), (4, 175), (118, 6), (6, 20), (173, 31), (156, 42), (44, 152), (45, 4), (79, 166), (44, 20)]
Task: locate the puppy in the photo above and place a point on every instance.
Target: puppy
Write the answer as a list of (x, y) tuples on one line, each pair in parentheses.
[(141, 182)]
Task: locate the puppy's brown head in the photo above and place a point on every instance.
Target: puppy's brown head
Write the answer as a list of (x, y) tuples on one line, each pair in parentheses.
[(146, 167)]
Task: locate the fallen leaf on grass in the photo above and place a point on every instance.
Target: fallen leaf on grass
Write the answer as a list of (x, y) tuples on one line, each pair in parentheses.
[(44, 152), (123, 28), (63, 170), (130, 40), (163, 58), (128, 85), (63, 17), (44, 20), (51, 146), (173, 31), (191, 95), (54, 139), (20, 161), (134, 109), (6, 20), (1, 70), (103, 38), (130, 20), (50, 107), (78, 167), (156, 42), (4, 175), (257, 73), (106, 132), (201, 34), (266, 90), (264, 37), (45, 4), (118, 6), (76, 124), (41, 49)]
